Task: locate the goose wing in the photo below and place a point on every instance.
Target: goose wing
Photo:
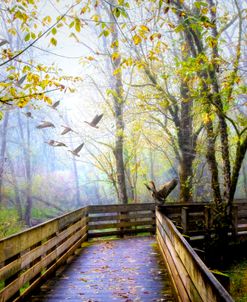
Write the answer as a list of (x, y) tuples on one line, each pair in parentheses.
[(66, 130), (96, 119), (21, 81), (54, 106), (78, 149)]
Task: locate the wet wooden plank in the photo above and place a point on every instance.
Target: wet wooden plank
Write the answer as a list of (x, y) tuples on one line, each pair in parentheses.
[(118, 270)]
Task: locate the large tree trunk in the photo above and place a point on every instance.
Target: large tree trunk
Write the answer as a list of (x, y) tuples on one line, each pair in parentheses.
[(186, 146), (118, 110)]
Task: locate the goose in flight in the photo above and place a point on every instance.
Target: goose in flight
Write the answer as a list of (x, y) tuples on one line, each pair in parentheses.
[(3, 42), (51, 142), (28, 114), (45, 124), (66, 130), (95, 121), (59, 144), (54, 143), (21, 81), (77, 150), (55, 105)]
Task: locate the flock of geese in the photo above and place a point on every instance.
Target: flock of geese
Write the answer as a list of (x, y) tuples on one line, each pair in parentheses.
[(67, 129)]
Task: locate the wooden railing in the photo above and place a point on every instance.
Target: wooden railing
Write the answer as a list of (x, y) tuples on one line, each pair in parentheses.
[(194, 219), (27, 258), (192, 281), (112, 220)]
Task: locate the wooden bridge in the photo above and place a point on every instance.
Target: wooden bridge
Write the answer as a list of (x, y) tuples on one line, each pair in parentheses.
[(120, 270)]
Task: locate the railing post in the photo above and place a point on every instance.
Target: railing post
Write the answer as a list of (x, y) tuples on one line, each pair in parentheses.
[(207, 218), (87, 220), (185, 219), (234, 221), (207, 224)]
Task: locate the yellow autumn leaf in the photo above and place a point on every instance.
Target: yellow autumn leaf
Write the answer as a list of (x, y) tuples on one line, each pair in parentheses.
[(83, 10), (206, 118), (4, 84), (117, 71), (95, 18), (114, 44), (12, 91), (144, 28), (136, 39), (213, 9), (115, 56), (53, 41), (90, 58), (12, 31)]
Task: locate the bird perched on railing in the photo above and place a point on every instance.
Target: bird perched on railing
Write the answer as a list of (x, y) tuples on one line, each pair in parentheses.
[(45, 124), (161, 194), (66, 130), (95, 120), (77, 150)]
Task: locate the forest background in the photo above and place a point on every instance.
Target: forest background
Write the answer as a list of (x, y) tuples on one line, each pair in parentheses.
[(168, 77)]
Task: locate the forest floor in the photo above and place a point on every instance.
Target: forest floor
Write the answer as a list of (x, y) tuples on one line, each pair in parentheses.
[(238, 276), (127, 270)]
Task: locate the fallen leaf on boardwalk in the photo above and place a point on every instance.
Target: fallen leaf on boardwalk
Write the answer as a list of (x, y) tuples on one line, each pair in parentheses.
[(83, 279)]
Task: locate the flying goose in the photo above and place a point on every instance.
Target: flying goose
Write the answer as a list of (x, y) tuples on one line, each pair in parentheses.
[(45, 124), (66, 130), (95, 121), (55, 105), (77, 150), (28, 114)]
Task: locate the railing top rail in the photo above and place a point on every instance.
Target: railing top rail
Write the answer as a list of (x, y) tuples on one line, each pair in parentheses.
[(14, 244), (121, 207), (215, 285)]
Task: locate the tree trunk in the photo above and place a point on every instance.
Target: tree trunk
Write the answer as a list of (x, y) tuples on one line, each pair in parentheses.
[(27, 160), (118, 110), (3, 151), (186, 146), (77, 185), (16, 188)]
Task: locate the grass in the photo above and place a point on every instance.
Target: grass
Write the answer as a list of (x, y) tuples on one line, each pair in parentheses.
[(238, 276), (9, 222), (43, 213)]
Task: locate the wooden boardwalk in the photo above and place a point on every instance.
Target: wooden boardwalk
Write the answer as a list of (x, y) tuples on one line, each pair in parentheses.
[(126, 270)]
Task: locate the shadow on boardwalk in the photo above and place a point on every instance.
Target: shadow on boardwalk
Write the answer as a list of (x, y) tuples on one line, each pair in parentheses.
[(127, 270)]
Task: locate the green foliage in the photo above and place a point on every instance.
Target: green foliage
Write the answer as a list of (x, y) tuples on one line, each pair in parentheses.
[(9, 222), (43, 213), (238, 276)]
